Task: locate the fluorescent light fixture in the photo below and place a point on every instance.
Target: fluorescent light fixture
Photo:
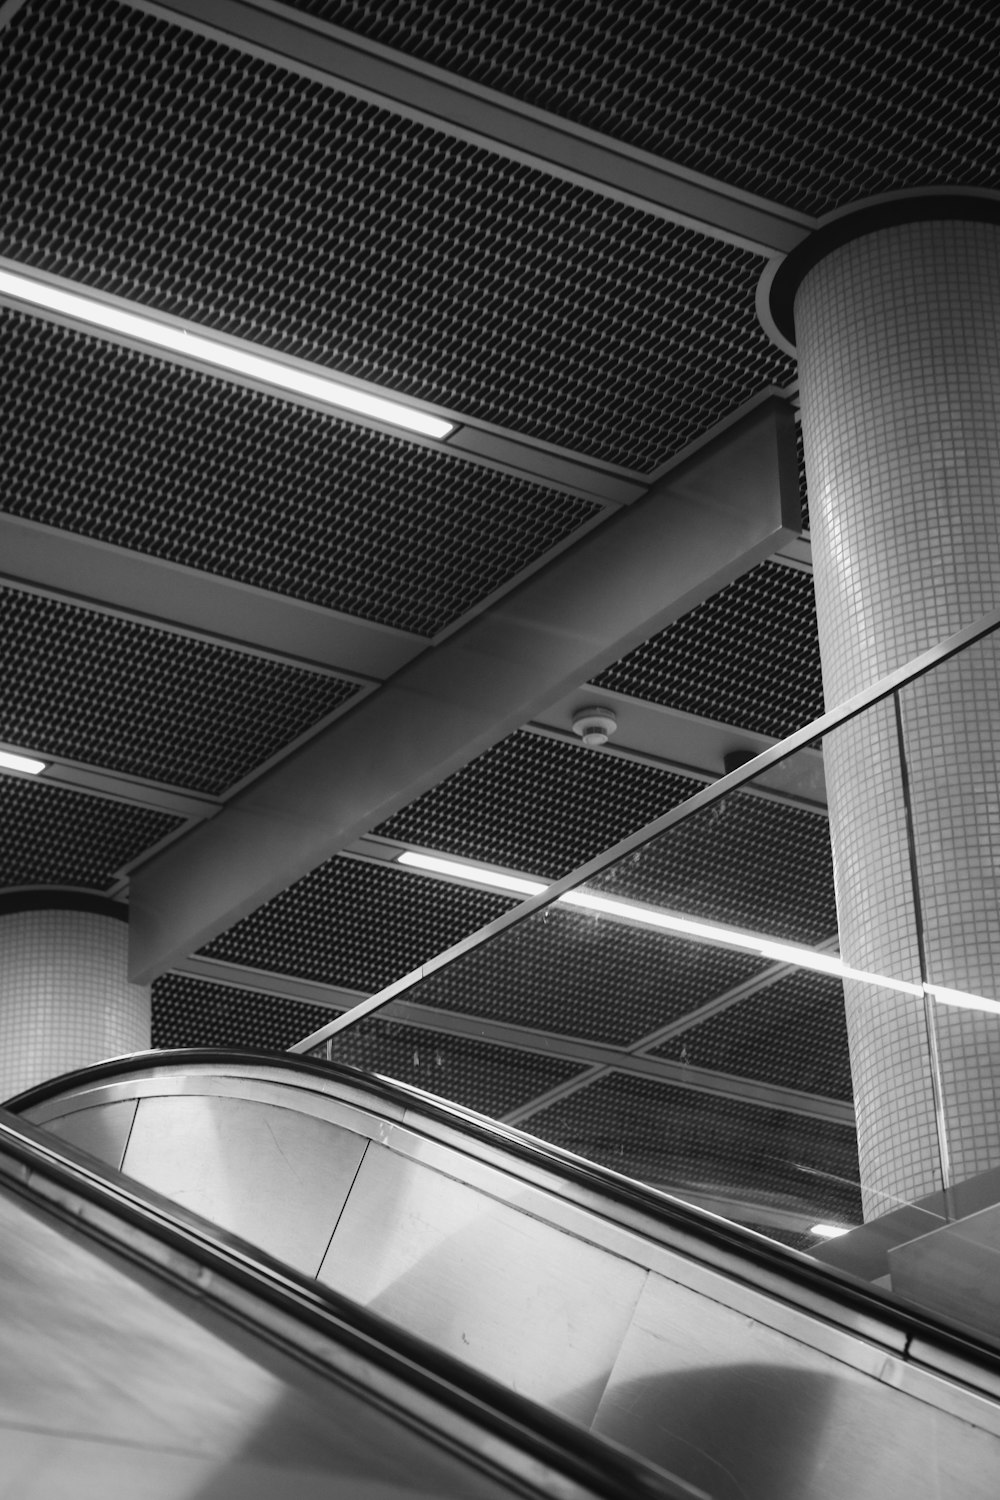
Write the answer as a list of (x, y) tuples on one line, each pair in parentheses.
[(473, 873), (829, 1231), (751, 942), (209, 350), (690, 927), (27, 763)]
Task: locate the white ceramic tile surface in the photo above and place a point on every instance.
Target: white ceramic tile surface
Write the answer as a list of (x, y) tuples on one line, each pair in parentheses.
[(65, 999), (899, 348)]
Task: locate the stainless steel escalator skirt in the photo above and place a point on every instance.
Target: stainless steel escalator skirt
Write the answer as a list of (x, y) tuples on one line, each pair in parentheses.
[(144, 1352), (747, 1371)]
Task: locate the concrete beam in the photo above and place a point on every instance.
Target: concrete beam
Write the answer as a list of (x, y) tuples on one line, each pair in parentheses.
[(726, 507)]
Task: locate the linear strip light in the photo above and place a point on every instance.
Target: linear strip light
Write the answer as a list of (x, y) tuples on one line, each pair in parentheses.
[(475, 874), (206, 349), (26, 763), (690, 927), (829, 1231), (783, 953)]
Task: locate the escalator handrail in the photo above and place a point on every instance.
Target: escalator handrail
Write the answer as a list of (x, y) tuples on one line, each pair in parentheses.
[(600, 1466), (755, 1256)]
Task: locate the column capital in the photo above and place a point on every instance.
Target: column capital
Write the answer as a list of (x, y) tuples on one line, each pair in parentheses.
[(784, 274)]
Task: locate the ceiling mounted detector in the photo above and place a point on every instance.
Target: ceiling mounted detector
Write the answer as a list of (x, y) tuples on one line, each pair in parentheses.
[(595, 726)]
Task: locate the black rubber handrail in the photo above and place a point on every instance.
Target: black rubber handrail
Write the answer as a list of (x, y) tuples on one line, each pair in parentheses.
[(753, 1249), (606, 1470)]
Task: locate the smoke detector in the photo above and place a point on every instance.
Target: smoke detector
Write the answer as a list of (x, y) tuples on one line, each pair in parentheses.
[(595, 726)]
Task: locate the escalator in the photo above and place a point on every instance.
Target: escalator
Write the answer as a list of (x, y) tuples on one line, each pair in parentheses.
[(144, 1353), (630, 1321)]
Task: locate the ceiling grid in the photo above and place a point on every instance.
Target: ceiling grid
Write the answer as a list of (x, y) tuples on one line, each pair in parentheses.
[(161, 164)]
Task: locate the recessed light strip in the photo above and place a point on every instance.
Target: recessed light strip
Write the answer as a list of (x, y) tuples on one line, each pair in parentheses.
[(472, 874), (690, 927), (26, 763), (206, 349)]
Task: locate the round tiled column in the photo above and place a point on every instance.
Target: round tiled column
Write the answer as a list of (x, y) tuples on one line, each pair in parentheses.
[(895, 312), (65, 998)]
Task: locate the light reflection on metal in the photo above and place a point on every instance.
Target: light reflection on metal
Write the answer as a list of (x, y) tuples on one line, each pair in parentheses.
[(737, 780)]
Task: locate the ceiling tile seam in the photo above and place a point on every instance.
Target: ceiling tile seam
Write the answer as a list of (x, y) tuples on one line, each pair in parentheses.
[(720, 1003), (131, 790), (659, 763), (117, 786), (106, 794), (685, 769), (114, 572), (620, 751), (554, 1095), (755, 224), (190, 804), (580, 465), (121, 786), (157, 624), (763, 793), (716, 1086), (606, 1057)]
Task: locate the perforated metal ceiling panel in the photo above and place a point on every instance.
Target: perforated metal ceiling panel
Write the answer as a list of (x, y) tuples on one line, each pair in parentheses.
[(583, 975), (357, 925), (749, 656), (56, 837), (133, 450), (793, 1033), (498, 808), (191, 1012), (787, 99), (148, 161), (745, 862), (709, 1144), (124, 696), (479, 1075)]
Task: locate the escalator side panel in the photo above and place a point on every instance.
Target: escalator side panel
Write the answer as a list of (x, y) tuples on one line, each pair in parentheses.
[(275, 1177), (688, 1349), (540, 1310), (103, 1130), (798, 1421), (112, 1383)]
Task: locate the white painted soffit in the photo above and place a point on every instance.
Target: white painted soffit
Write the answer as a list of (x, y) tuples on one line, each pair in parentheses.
[(731, 504)]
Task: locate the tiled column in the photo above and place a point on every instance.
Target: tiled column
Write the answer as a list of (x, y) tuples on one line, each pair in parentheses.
[(896, 320), (65, 999)]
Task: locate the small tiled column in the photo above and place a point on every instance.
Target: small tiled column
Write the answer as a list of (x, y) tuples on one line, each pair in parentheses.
[(65, 998), (894, 310)]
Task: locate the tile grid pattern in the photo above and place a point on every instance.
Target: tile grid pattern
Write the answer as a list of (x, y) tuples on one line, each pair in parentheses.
[(66, 999), (899, 348)]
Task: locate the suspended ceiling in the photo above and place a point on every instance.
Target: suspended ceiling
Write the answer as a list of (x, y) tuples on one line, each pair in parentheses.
[(548, 225)]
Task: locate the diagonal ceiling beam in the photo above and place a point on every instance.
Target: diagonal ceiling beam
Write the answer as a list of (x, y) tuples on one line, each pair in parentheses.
[(470, 112), (728, 505)]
